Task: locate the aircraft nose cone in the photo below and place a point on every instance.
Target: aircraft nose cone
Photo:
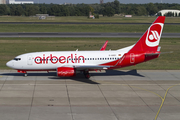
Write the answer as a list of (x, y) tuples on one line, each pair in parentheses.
[(9, 64)]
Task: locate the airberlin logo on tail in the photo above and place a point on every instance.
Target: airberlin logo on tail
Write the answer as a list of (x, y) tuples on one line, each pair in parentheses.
[(153, 34)]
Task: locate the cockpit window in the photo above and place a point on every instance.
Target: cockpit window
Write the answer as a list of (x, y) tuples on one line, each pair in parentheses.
[(17, 59)]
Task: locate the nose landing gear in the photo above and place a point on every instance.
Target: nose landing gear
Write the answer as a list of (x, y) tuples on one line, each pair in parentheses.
[(22, 71), (25, 74)]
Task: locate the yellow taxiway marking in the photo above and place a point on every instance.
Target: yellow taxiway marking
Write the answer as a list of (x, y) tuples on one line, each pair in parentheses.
[(163, 99)]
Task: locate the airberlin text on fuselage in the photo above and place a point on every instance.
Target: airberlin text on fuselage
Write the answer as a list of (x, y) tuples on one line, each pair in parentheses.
[(61, 59)]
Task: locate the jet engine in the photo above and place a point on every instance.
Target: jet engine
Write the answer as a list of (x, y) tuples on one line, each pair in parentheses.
[(66, 72)]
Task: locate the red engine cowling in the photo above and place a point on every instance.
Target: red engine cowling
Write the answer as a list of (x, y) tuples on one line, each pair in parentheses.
[(66, 72)]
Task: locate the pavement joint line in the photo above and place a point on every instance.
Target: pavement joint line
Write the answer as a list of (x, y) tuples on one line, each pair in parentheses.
[(137, 84), (3, 83), (32, 100), (140, 97), (108, 103), (147, 91), (88, 84), (174, 96), (163, 99), (150, 78), (72, 115), (172, 74)]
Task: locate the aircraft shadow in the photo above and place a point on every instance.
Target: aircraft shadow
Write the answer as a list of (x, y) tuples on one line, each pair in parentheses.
[(30, 74), (117, 72), (79, 77), (52, 75)]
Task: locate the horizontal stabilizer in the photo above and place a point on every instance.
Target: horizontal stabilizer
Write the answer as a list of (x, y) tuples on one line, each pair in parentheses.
[(151, 54), (166, 52)]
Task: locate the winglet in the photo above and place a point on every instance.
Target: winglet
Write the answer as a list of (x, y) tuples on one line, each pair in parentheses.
[(104, 46)]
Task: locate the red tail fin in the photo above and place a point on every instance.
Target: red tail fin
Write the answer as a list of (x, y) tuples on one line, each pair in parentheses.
[(150, 40), (147, 46)]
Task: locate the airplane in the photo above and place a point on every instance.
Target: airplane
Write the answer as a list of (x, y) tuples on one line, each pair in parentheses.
[(69, 63)]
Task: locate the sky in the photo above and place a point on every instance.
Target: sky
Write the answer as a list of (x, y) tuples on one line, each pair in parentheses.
[(97, 1)]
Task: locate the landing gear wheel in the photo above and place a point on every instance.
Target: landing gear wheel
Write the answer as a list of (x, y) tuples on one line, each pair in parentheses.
[(25, 74), (86, 74)]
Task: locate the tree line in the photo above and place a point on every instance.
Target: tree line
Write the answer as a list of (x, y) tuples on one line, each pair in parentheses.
[(106, 9)]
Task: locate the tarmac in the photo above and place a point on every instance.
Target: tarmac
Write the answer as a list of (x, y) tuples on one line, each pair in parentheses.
[(107, 95)]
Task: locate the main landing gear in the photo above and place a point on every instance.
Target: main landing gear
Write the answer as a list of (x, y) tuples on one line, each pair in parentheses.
[(86, 74)]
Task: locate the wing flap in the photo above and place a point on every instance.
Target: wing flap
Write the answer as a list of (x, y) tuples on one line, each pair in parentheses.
[(92, 67)]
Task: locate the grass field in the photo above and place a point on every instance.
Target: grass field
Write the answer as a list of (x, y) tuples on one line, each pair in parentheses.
[(11, 47), (134, 19), (83, 28)]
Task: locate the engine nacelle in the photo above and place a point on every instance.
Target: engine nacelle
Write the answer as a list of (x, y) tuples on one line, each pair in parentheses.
[(66, 72)]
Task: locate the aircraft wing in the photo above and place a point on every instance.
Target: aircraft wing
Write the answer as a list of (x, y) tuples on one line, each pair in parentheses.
[(91, 67), (88, 67)]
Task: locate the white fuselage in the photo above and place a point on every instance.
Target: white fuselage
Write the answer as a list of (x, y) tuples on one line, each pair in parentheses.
[(53, 60)]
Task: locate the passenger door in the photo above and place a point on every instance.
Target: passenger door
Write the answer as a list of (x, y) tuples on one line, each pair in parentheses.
[(29, 60), (132, 58)]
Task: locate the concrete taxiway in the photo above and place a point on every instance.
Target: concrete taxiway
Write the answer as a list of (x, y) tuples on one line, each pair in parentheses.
[(111, 95)]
